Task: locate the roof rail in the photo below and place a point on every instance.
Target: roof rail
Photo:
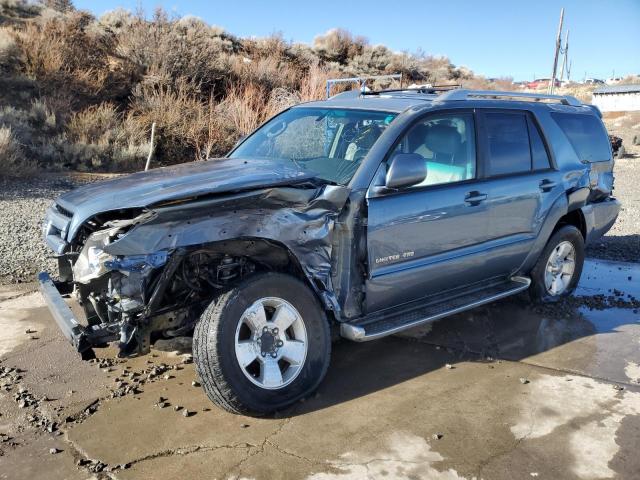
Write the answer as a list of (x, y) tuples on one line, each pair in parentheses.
[(490, 94)]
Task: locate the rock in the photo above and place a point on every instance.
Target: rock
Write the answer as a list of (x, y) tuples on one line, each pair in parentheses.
[(524, 381), (244, 425), (187, 413), (449, 366), (195, 384), (437, 436), (53, 451), (30, 330)]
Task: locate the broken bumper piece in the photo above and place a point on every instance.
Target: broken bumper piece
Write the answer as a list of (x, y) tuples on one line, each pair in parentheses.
[(74, 332)]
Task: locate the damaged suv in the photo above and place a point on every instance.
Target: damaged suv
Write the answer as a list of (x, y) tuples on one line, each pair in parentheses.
[(362, 215)]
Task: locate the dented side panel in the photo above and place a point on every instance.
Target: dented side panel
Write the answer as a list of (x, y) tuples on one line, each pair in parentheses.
[(302, 219)]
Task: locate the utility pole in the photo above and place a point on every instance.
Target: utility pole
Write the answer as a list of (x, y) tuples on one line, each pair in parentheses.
[(552, 81), (564, 58)]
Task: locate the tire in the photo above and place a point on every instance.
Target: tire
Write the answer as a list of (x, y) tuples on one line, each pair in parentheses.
[(557, 244), (250, 389)]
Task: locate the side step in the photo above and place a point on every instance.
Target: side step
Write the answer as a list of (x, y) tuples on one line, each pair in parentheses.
[(372, 328)]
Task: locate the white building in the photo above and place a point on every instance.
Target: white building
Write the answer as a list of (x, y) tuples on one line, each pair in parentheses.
[(617, 98)]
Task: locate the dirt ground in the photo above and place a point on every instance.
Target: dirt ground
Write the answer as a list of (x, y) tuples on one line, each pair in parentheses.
[(502, 392)]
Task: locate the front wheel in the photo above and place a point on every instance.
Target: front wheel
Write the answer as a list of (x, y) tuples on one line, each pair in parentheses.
[(262, 345), (557, 271)]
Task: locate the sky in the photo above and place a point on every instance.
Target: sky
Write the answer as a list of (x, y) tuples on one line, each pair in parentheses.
[(494, 38)]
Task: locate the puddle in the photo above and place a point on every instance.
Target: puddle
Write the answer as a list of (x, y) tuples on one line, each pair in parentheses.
[(601, 343), (603, 276), (588, 412), (405, 456)]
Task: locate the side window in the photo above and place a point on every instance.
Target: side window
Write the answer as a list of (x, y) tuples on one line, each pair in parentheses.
[(586, 134), (507, 143), (539, 155), (447, 144)]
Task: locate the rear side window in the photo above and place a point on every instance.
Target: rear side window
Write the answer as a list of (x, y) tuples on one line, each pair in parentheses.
[(587, 136), (507, 143), (539, 155)]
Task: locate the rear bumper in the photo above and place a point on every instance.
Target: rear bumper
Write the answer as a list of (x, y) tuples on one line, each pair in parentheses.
[(600, 217), (62, 314)]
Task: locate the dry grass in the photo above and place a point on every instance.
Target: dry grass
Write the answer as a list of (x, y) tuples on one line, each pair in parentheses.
[(13, 162)]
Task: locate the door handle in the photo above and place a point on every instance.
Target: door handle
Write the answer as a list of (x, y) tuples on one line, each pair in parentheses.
[(474, 198), (547, 185)]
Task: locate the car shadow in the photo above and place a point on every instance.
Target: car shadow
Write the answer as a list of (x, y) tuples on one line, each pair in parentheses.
[(512, 329)]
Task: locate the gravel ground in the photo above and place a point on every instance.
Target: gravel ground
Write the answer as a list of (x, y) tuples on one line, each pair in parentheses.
[(23, 203)]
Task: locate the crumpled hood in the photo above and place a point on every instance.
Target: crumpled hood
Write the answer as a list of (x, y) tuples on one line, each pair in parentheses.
[(187, 180)]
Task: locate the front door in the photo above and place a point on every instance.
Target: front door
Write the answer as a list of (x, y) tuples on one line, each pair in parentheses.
[(433, 236)]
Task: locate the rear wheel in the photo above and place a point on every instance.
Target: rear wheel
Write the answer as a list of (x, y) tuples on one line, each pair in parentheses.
[(262, 345), (557, 271)]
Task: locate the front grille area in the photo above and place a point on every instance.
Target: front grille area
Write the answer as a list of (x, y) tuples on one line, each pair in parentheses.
[(64, 211)]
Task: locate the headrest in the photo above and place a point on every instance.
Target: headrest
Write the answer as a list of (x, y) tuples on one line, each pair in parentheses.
[(444, 139)]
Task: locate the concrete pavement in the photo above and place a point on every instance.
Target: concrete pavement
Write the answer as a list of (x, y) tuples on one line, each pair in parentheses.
[(506, 391)]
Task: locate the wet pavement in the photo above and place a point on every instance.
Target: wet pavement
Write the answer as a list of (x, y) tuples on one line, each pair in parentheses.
[(506, 391)]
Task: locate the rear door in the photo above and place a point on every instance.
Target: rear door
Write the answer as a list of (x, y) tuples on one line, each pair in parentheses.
[(522, 184)]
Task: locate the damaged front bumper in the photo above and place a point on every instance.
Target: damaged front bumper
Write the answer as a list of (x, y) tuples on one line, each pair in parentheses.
[(82, 338)]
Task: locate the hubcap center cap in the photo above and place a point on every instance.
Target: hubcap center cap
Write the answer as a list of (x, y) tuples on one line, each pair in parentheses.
[(269, 342)]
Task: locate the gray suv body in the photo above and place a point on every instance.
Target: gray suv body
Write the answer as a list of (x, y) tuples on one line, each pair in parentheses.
[(364, 214)]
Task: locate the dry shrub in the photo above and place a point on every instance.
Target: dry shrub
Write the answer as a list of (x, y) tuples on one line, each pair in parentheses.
[(339, 45), (99, 137), (244, 108), (269, 72), (60, 53), (187, 48), (99, 125), (208, 134), (314, 84), (9, 51), (13, 162)]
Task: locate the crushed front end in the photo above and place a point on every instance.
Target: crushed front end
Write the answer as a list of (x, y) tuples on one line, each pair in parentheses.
[(128, 298)]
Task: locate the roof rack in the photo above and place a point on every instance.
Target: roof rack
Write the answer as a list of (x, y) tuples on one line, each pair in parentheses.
[(490, 94), (425, 89), (361, 81)]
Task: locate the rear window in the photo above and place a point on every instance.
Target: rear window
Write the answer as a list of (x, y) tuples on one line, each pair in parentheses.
[(587, 136)]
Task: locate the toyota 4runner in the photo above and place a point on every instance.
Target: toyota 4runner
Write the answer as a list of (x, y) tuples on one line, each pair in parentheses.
[(365, 214)]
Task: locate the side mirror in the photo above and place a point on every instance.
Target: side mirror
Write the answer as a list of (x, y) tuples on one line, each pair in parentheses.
[(405, 170)]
